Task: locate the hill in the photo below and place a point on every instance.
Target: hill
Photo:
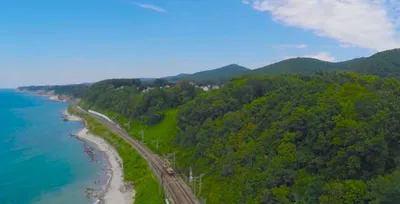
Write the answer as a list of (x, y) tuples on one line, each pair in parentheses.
[(176, 78), (384, 64), (295, 65), (220, 74), (323, 138), (75, 90), (328, 137)]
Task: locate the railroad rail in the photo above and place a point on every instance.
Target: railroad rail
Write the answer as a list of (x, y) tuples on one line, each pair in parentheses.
[(176, 189)]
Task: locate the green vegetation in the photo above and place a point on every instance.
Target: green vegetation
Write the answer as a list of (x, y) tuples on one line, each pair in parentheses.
[(222, 74), (296, 65), (383, 64), (136, 169), (75, 91), (321, 137), (324, 138), (147, 108), (165, 131)]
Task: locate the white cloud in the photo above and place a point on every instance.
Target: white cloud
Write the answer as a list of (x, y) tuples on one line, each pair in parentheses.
[(345, 45), (324, 56), (302, 46), (286, 46), (149, 6), (371, 24), (245, 1)]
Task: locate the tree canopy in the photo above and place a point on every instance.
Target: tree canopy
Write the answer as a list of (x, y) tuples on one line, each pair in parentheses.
[(322, 138), (130, 102), (384, 64), (76, 91), (325, 138), (222, 74)]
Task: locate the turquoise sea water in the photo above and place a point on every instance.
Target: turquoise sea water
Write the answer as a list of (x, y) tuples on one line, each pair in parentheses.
[(40, 162)]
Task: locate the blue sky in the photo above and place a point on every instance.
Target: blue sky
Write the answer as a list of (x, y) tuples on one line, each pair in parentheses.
[(59, 42)]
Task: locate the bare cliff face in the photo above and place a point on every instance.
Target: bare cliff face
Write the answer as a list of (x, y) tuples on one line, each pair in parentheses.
[(51, 95), (59, 97)]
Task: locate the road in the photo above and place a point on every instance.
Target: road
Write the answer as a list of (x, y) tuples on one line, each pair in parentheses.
[(176, 189)]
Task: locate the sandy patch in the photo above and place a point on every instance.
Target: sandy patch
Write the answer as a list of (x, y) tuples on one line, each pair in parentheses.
[(71, 117), (117, 191)]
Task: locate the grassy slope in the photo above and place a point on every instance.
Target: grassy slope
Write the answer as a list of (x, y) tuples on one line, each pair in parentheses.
[(164, 131), (136, 169)]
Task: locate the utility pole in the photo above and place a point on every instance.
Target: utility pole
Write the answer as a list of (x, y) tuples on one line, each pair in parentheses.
[(173, 164), (191, 177), (201, 175), (142, 132), (194, 186), (162, 183), (157, 146), (173, 155)]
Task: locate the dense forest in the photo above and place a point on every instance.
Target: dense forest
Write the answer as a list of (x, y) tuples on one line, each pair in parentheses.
[(322, 136), (384, 64), (326, 138), (123, 96), (76, 91), (222, 74)]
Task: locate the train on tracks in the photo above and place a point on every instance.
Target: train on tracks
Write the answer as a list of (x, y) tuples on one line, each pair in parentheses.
[(168, 169)]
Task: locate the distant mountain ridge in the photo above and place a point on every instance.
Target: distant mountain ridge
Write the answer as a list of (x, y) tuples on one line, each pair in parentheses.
[(295, 65), (74, 90), (331, 137), (222, 73), (384, 64)]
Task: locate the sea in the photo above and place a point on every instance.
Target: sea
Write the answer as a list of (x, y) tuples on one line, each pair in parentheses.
[(40, 163)]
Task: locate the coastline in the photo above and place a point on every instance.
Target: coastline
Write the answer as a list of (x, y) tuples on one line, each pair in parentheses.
[(116, 190), (49, 95)]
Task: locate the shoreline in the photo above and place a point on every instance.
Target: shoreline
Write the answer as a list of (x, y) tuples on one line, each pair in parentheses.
[(116, 191), (51, 96)]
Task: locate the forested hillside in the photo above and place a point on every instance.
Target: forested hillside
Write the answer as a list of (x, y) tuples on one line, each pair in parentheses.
[(222, 74), (76, 91), (324, 138), (306, 139), (126, 97), (296, 65), (384, 64)]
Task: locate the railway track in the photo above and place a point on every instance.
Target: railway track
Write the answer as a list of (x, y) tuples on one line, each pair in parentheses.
[(177, 191)]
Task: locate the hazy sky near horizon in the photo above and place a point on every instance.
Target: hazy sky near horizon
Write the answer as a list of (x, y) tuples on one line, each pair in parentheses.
[(62, 42)]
